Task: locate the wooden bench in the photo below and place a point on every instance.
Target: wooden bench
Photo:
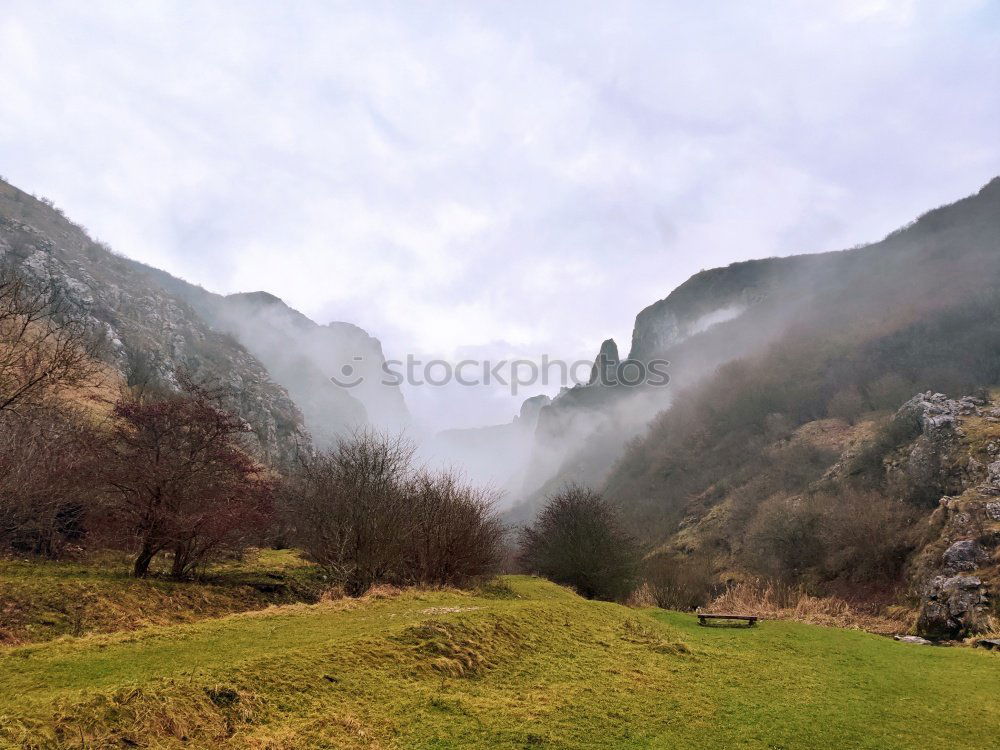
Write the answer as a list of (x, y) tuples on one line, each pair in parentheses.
[(704, 617)]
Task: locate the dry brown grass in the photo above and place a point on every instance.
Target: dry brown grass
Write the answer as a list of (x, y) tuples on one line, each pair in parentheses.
[(642, 598), (771, 601)]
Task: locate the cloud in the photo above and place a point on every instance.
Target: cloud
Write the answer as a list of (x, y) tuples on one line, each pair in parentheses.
[(451, 175)]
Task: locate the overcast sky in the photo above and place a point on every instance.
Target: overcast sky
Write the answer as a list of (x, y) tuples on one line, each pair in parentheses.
[(492, 178)]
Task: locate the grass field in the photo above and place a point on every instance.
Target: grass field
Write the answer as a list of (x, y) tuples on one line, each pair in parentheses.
[(522, 664), (41, 600)]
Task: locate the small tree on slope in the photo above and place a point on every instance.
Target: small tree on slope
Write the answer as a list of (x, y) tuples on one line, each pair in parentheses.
[(577, 540), (179, 481)]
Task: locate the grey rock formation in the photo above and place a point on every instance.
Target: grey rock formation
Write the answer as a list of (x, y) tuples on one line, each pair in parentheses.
[(914, 639), (140, 320), (605, 365), (716, 296), (275, 362), (954, 595), (335, 372), (963, 555), (530, 409), (953, 607), (937, 414)]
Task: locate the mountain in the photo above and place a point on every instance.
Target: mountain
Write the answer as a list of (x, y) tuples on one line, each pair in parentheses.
[(303, 356), (495, 454), (275, 362), (790, 443), (944, 260)]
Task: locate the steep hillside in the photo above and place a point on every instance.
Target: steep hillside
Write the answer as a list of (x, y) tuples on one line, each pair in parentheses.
[(822, 323), (303, 356), (745, 472), (146, 328), (276, 362)]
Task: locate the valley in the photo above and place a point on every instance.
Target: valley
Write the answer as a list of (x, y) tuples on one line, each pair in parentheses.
[(520, 663)]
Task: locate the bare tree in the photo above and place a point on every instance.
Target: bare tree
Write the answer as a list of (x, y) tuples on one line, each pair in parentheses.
[(43, 346), (455, 532), (364, 513), (351, 508), (180, 481), (47, 474)]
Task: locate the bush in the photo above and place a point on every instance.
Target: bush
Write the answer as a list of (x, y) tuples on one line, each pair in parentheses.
[(783, 539), (579, 541), (48, 467), (677, 581), (363, 513), (454, 536), (867, 537), (846, 404), (854, 536)]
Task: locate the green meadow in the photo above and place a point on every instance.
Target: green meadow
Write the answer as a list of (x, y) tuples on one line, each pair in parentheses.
[(520, 663)]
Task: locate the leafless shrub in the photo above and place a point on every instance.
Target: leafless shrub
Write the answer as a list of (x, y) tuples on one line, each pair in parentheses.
[(866, 536), (856, 536), (678, 581), (48, 465), (456, 535), (43, 345), (348, 507), (783, 539), (363, 513), (846, 404)]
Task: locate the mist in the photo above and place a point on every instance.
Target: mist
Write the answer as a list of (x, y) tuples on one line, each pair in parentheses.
[(508, 179)]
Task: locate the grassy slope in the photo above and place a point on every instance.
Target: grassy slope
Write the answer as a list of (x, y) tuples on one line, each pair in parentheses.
[(43, 600), (451, 669)]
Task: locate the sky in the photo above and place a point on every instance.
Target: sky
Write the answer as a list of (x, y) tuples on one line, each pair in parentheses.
[(492, 179)]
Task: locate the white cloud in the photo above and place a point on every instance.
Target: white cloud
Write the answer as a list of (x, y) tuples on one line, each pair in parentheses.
[(451, 176)]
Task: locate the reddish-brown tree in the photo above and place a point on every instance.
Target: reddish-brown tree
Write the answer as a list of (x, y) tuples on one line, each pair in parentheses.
[(180, 481)]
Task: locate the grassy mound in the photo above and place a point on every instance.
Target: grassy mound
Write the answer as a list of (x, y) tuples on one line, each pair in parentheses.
[(537, 666)]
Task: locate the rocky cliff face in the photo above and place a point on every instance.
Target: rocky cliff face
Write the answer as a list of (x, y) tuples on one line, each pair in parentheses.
[(958, 449), (305, 358), (141, 320), (715, 296), (275, 362), (945, 258)]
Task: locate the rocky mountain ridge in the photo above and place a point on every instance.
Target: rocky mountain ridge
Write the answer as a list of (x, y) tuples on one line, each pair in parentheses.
[(947, 256), (303, 356), (273, 361)]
